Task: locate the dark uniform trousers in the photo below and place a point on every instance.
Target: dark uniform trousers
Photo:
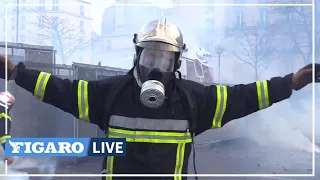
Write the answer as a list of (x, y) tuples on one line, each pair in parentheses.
[(158, 140)]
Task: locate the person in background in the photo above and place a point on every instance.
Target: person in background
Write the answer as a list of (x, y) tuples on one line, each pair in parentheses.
[(6, 103)]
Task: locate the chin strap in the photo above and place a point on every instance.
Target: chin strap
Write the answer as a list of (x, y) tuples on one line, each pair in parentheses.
[(135, 74)]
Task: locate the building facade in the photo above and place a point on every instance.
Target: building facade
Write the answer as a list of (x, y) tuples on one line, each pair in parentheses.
[(121, 22), (205, 27), (118, 27), (47, 22), (259, 38)]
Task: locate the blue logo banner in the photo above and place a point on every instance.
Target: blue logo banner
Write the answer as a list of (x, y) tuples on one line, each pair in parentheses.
[(65, 147)]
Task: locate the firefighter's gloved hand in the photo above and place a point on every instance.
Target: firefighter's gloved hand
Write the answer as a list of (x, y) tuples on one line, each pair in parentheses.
[(9, 160), (11, 68), (304, 76)]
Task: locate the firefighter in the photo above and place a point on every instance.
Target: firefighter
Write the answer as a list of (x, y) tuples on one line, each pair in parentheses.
[(6, 102), (155, 110)]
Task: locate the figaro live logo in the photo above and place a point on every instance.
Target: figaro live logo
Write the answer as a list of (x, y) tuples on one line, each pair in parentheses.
[(65, 147)]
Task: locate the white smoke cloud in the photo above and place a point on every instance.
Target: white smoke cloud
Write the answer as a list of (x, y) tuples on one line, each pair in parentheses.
[(26, 165), (287, 124)]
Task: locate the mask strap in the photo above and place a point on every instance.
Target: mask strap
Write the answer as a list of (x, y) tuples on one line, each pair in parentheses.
[(135, 74)]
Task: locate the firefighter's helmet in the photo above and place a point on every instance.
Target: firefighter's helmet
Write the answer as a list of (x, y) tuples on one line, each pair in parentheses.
[(6, 100), (160, 35)]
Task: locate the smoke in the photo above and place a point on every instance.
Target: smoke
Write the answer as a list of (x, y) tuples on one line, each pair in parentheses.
[(36, 165), (287, 124), (30, 165), (282, 126)]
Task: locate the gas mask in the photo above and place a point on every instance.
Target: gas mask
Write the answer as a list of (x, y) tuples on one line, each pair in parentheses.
[(155, 71)]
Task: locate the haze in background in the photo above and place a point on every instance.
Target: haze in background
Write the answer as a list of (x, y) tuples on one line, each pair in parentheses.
[(286, 125)]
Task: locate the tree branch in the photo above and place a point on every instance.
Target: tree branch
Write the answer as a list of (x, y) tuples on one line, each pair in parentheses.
[(64, 35)]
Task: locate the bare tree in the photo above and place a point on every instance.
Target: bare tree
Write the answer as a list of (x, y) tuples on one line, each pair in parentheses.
[(294, 23), (67, 37), (256, 48)]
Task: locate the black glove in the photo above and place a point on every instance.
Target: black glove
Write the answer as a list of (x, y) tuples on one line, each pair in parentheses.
[(304, 76), (11, 68)]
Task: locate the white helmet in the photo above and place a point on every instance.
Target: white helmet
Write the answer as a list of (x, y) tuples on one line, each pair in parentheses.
[(6, 100)]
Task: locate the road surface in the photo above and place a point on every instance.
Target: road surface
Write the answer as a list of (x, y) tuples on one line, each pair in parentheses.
[(235, 156), (230, 156)]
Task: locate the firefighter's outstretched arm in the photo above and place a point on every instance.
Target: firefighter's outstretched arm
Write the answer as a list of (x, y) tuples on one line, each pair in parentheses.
[(224, 103), (80, 98)]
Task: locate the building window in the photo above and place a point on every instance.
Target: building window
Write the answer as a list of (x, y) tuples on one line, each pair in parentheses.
[(210, 24), (22, 23), (81, 10), (23, 6), (210, 9), (14, 7), (239, 2), (317, 7), (13, 39), (263, 16), (42, 3), (4, 25), (13, 22), (81, 26), (108, 44), (55, 6), (40, 21), (22, 39), (240, 18), (289, 16)]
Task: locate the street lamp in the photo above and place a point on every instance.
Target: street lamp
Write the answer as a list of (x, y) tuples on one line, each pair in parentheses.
[(219, 50)]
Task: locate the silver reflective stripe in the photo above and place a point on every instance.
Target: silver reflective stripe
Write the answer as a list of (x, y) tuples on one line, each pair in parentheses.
[(149, 124), (41, 84), (179, 160), (136, 136), (222, 97), (109, 167), (263, 95)]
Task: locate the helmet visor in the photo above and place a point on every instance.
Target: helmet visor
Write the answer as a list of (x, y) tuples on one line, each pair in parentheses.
[(158, 59)]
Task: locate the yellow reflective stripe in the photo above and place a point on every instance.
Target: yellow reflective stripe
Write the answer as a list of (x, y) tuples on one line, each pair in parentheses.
[(3, 139), (263, 94), (83, 104), (150, 136), (41, 85), (222, 97), (4, 115), (109, 167), (179, 160)]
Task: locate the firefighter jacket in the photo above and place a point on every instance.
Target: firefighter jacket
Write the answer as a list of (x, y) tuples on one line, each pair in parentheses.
[(3, 124), (158, 140)]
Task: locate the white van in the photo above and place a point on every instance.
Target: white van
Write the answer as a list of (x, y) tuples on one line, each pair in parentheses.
[(195, 67)]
